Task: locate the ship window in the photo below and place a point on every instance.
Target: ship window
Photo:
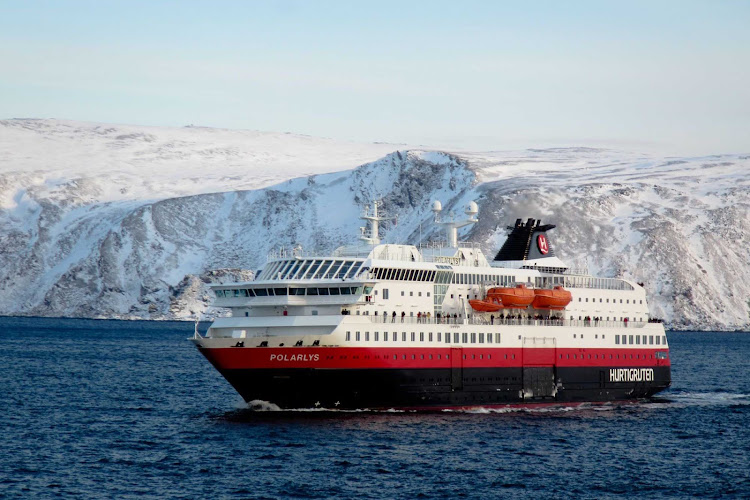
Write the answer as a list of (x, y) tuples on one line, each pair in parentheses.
[(641, 301), (334, 291), (607, 301), (473, 338), (428, 294), (261, 292), (385, 294), (322, 291), (348, 336), (630, 340), (312, 291), (421, 336), (627, 301), (385, 336), (402, 293), (464, 338), (620, 301), (574, 335), (587, 299), (447, 337), (664, 340), (413, 336), (357, 337), (617, 339), (420, 294), (376, 336), (367, 336), (600, 301), (411, 294), (497, 338), (637, 339), (658, 340), (403, 336), (579, 299), (455, 337), (438, 337), (430, 337), (481, 338)]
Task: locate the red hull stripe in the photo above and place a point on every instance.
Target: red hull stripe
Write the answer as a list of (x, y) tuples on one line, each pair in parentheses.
[(234, 358)]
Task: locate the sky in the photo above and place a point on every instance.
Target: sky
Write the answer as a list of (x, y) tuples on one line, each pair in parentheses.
[(660, 76)]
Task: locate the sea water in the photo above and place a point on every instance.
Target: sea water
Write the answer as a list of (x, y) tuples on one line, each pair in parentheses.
[(131, 409)]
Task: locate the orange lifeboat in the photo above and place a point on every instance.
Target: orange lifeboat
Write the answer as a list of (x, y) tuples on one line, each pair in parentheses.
[(512, 298), (485, 306), (556, 298)]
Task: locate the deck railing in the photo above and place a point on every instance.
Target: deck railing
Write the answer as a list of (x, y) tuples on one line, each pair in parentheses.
[(473, 320)]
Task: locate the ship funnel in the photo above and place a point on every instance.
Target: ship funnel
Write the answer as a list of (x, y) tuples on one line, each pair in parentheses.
[(527, 241)]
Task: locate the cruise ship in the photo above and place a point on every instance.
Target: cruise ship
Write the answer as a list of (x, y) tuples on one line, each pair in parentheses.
[(390, 326)]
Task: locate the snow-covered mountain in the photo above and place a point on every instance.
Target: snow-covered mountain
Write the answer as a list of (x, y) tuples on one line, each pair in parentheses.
[(132, 222)]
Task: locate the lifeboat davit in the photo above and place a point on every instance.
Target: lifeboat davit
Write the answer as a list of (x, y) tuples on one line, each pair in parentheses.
[(518, 297), (485, 306), (556, 298)]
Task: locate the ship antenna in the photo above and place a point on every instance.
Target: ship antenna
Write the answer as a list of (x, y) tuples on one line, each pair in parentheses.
[(452, 226), (372, 237)]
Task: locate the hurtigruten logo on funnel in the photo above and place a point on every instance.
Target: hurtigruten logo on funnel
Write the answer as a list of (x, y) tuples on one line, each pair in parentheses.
[(543, 244)]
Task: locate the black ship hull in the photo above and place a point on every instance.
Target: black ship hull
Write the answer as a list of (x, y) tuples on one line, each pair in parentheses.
[(435, 388)]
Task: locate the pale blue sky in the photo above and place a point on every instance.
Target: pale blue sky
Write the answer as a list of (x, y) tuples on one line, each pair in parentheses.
[(666, 76)]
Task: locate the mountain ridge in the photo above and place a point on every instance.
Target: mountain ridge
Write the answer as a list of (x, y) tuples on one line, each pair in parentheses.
[(73, 243)]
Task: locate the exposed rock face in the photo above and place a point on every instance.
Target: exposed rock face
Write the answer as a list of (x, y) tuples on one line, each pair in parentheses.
[(69, 246)]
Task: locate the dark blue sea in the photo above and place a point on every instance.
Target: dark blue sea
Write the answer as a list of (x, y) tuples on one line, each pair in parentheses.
[(109, 409)]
